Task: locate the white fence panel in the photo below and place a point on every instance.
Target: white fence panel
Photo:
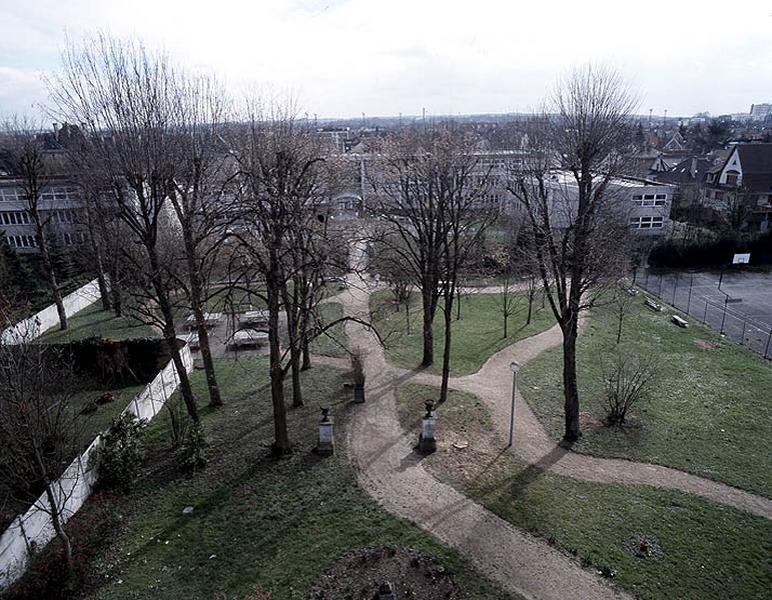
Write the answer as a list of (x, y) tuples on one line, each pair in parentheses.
[(34, 528), (37, 324)]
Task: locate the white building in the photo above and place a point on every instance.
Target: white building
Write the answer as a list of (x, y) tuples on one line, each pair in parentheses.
[(59, 205), (646, 204)]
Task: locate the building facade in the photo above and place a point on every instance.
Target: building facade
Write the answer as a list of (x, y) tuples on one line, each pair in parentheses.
[(60, 209)]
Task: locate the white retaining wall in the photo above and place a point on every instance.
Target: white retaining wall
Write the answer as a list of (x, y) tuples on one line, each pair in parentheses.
[(34, 529), (37, 324)]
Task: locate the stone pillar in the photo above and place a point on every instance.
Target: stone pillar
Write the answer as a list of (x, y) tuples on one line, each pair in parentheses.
[(427, 443), (359, 393), (326, 445)]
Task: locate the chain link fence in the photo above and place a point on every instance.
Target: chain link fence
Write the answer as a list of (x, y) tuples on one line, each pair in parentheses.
[(677, 289)]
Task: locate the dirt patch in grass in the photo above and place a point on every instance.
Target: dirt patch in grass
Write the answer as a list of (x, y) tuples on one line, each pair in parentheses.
[(706, 345), (359, 575)]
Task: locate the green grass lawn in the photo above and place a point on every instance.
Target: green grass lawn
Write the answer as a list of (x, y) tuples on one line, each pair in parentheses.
[(100, 419), (707, 550), (333, 341), (258, 524), (709, 413), (476, 336), (92, 321)]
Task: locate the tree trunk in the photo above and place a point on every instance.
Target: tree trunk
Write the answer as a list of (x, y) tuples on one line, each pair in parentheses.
[(428, 332), (185, 390), (506, 321), (305, 345), (306, 355), (196, 304), (170, 335), (215, 398), (281, 443), (104, 290), (61, 534), (53, 285), (570, 387), (448, 313), (619, 327), (290, 308), (530, 308), (115, 290)]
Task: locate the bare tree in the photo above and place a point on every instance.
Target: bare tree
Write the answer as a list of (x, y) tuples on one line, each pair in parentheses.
[(40, 431), (576, 220), (623, 299), (428, 187), (124, 98), (198, 199), (627, 380), (26, 158), (278, 166)]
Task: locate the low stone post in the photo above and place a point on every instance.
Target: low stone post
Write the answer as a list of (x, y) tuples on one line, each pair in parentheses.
[(427, 443), (326, 445), (386, 592), (359, 393)]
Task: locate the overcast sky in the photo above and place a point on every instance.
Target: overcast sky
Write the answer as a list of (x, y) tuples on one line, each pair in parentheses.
[(384, 57)]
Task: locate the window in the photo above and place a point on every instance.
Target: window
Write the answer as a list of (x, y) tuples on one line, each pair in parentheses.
[(649, 197), (11, 194), (637, 197), (21, 241), (647, 222), (731, 177), (15, 218)]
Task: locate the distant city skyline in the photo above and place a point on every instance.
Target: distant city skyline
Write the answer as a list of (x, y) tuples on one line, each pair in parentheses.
[(342, 58)]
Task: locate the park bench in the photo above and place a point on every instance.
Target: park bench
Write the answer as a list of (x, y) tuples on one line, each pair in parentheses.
[(211, 319), (679, 321), (253, 318), (653, 305), (249, 337)]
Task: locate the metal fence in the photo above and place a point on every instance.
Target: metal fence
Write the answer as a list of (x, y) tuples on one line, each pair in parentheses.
[(677, 289)]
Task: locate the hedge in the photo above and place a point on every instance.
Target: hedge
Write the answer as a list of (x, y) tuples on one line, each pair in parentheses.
[(711, 253)]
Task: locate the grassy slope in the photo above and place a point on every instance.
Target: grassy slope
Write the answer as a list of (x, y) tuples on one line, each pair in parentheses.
[(476, 336), (710, 551), (270, 525), (92, 321), (709, 412)]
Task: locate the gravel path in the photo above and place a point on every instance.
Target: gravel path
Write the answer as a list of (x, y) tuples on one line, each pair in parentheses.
[(493, 384), (389, 469)]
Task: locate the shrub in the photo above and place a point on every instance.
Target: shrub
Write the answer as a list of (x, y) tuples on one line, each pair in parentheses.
[(627, 380), (121, 453), (195, 449), (709, 253)]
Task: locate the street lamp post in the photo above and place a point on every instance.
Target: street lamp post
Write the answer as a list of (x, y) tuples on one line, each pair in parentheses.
[(515, 368)]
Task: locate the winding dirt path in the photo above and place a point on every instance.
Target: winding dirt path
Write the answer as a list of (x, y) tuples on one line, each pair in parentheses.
[(391, 472), (493, 384)]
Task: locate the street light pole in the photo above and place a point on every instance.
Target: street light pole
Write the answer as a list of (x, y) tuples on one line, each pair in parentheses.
[(515, 368)]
